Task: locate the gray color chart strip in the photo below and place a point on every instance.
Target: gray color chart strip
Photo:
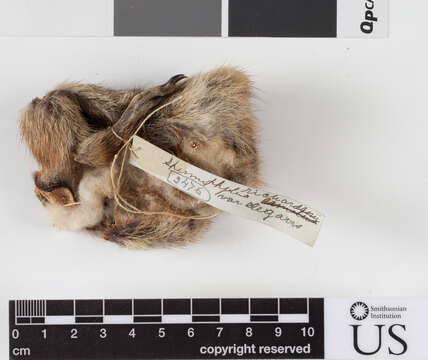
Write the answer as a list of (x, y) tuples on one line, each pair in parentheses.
[(365, 19), (283, 18), (167, 17)]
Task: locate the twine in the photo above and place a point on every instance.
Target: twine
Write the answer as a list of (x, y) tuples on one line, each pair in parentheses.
[(72, 204), (127, 146)]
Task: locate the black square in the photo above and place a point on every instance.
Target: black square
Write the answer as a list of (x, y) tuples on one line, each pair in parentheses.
[(89, 307), (38, 320), (293, 306), (146, 319), (88, 319), (264, 306), (148, 307), (176, 307), (23, 320), (118, 307), (283, 18), (234, 306), (59, 308), (205, 306)]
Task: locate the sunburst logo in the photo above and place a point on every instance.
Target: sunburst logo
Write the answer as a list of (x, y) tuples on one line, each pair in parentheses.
[(359, 310)]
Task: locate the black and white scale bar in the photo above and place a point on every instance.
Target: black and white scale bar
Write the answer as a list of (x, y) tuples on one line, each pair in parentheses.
[(334, 328), (66, 312), (208, 18), (144, 329)]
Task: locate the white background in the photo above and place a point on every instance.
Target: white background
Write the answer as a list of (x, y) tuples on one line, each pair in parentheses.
[(343, 128)]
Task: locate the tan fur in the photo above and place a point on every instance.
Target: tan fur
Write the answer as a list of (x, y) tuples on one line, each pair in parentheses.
[(70, 134)]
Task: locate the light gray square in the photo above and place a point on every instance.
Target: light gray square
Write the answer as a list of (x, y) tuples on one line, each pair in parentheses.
[(167, 17)]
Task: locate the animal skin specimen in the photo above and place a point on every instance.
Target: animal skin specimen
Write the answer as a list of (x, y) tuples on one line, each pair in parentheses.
[(75, 131)]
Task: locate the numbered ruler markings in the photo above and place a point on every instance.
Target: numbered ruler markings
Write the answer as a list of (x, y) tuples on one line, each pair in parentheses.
[(153, 311), (169, 328)]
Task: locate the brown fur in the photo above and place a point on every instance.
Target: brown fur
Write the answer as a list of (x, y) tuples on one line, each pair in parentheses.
[(211, 126)]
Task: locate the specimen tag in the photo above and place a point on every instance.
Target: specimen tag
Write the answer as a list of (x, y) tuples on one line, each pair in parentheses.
[(270, 208)]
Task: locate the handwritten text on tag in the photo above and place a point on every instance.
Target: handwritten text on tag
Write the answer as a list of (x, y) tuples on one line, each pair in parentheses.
[(267, 207)]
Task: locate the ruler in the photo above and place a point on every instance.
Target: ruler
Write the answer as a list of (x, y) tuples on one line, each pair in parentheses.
[(228, 328)]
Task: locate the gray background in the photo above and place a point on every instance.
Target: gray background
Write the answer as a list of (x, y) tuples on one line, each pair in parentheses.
[(167, 17)]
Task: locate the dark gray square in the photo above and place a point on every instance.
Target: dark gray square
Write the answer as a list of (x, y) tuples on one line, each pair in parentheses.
[(167, 17), (283, 18)]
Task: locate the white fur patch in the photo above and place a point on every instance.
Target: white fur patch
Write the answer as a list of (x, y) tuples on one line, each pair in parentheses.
[(94, 187)]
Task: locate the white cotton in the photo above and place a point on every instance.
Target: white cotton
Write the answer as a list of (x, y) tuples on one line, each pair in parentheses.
[(94, 187)]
